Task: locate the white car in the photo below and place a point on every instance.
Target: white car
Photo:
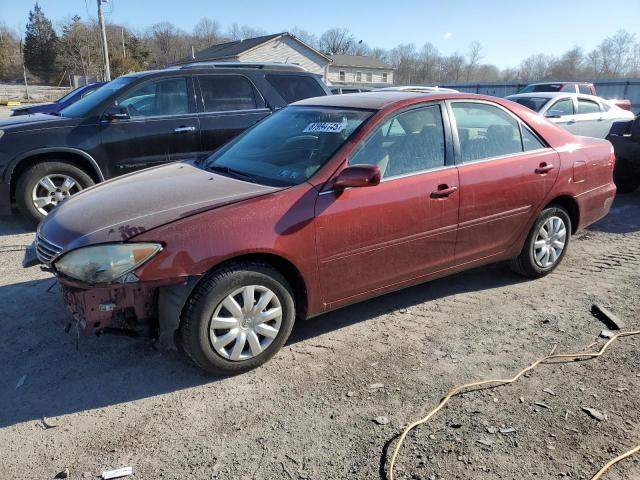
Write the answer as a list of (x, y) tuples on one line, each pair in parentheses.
[(580, 114), (416, 89)]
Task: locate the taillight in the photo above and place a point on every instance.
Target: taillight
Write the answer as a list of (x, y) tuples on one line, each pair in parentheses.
[(612, 159)]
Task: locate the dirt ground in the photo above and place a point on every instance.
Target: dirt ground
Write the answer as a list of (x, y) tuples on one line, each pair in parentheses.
[(310, 412)]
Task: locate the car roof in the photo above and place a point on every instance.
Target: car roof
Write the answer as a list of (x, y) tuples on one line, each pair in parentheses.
[(551, 95), (561, 83), (378, 100)]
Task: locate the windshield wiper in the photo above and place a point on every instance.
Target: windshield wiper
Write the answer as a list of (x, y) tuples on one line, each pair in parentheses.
[(232, 172)]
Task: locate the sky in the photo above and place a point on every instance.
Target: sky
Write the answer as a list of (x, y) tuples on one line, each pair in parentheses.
[(509, 30)]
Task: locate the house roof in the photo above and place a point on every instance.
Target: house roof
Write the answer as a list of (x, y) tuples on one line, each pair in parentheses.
[(235, 48), (363, 61)]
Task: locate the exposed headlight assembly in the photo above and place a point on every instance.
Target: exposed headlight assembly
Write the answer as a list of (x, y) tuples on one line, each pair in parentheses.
[(105, 263)]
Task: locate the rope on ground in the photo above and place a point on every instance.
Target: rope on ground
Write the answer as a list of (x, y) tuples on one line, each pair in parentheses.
[(499, 382)]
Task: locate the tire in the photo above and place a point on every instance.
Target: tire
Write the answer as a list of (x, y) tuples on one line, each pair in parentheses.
[(625, 178), (29, 186), (197, 339), (527, 263)]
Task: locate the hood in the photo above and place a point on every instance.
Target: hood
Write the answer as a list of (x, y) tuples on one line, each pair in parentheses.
[(38, 108), (36, 120), (119, 209)]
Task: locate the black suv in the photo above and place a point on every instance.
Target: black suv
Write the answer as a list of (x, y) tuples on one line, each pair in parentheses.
[(136, 121)]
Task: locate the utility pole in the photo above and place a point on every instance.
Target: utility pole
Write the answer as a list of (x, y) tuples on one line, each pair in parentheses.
[(124, 52), (103, 37), (24, 72)]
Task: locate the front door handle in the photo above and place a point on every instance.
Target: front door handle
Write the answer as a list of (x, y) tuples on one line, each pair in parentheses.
[(184, 129), (544, 168), (443, 191)]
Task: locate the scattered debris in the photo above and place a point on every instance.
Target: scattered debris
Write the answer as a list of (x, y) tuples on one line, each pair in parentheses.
[(607, 334), (549, 391), (21, 381), (117, 473), (607, 317), (375, 386), (521, 399), (492, 430), (507, 431), (596, 414), (350, 393), (455, 425), (381, 420), (542, 405), (486, 442), (46, 425), (63, 474)]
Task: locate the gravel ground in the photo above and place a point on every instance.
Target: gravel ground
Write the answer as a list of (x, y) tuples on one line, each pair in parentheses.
[(309, 413)]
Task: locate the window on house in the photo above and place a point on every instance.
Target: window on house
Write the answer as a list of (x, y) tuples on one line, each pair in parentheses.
[(358, 76), (369, 77), (385, 77), (343, 76)]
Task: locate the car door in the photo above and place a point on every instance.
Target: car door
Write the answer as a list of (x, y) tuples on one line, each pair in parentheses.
[(591, 120), (158, 124), (402, 229), (562, 112), (228, 105), (505, 173)]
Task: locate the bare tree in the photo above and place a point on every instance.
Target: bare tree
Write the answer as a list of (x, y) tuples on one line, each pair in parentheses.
[(168, 43), (473, 58), (206, 33), (535, 67), (305, 36), (10, 58), (242, 32), (337, 41)]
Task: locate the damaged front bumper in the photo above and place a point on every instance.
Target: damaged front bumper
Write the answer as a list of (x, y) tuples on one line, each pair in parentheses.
[(113, 306)]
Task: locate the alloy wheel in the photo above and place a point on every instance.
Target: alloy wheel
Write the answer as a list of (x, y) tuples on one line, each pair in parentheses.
[(550, 241), (245, 323), (53, 189)]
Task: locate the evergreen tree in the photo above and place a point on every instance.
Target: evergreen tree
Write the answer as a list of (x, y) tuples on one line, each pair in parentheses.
[(40, 45)]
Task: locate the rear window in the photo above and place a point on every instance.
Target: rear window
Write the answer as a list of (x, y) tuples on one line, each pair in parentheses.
[(542, 87), (587, 106), (228, 92), (295, 87), (532, 103), (586, 89)]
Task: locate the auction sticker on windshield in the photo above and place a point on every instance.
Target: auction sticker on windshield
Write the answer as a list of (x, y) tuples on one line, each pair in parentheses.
[(326, 127)]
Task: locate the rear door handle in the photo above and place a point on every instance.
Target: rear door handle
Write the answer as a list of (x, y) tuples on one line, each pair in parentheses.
[(184, 129), (443, 191), (544, 168)]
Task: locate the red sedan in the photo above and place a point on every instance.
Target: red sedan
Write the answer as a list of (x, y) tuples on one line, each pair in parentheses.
[(328, 202)]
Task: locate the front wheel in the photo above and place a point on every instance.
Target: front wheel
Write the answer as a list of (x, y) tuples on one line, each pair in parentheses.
[(237, 318), (45, 185), (546, 244)]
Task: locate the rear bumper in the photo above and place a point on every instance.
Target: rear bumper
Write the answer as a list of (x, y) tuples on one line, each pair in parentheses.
[(595, 204)]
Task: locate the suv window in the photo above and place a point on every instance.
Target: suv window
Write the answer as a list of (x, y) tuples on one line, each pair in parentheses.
[(585, 89), (485, 131), (562, 107), (228, 92), (295, 87), (410, 142), (587, 106), (159, 98), (570, 87)]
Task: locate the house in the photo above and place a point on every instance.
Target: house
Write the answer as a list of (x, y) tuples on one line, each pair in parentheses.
[(280, 47), (359, 70)]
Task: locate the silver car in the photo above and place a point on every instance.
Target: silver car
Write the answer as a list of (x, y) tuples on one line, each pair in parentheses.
[(581, 114)]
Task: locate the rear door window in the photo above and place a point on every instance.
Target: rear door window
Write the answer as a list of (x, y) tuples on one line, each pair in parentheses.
[(295, 87), (485, 131), (222, 93), (587, 106), (562, 108)]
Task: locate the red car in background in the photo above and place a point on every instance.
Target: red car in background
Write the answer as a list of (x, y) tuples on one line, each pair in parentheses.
[(327, 202)]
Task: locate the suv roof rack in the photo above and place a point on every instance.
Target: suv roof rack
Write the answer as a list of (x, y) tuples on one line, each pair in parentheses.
[(261, 65)]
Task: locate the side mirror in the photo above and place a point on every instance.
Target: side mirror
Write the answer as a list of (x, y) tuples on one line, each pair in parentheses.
[(117, 112), (358, 176)]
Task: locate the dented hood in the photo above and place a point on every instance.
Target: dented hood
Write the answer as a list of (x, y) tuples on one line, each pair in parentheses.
[(127, 206)]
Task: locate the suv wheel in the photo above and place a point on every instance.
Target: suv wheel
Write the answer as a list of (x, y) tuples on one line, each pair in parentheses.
[(237, 318), (42, 187), (546, 244)]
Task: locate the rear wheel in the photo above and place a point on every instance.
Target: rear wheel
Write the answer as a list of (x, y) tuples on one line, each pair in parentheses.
[(45, 185), (237, 318), (625, 178), (546, 244)]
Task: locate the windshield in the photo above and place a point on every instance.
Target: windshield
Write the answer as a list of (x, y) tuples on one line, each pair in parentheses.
[(542, 87), (288, 147), (533, 103), (70, 94), (83, 106)]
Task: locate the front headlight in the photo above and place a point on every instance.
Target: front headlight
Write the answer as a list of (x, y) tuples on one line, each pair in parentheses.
[(105, 263)]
